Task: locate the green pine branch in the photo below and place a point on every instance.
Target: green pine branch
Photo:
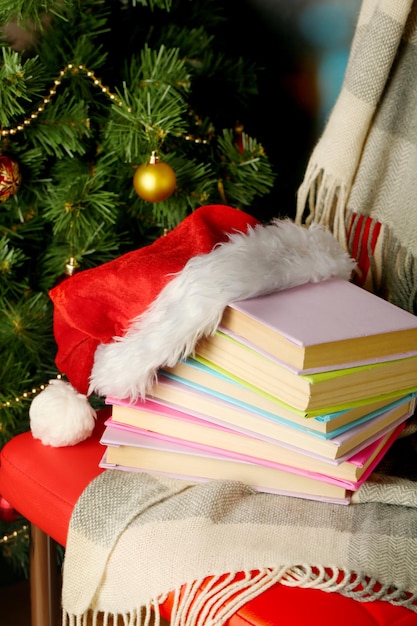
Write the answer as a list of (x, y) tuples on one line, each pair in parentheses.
[(32, 11), (153, 104), (247, 171), (63, 130), (22, 85), (11, 259)]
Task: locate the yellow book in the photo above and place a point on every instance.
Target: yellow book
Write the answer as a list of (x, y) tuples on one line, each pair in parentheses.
[(202, 379), (151, 454), (335, 388)]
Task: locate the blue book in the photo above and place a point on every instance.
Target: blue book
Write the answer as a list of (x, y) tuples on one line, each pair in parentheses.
[(207, 407), (203, 379)]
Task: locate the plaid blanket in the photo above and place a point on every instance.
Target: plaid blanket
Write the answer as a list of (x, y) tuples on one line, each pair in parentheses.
[(361, 178), (134, 537)]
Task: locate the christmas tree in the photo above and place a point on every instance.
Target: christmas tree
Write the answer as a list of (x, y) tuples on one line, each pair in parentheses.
[(117, 119)]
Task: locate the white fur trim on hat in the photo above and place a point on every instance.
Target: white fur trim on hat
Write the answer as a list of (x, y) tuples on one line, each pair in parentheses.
[(269, 258)]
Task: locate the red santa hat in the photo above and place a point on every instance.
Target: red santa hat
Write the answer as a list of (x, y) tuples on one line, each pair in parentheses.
[(117, 324)]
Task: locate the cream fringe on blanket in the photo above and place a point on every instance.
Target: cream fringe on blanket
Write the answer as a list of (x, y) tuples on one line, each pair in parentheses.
[(365, 163), (134, 537)]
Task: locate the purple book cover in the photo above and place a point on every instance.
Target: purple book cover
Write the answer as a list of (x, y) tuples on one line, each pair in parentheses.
[(326, 311)]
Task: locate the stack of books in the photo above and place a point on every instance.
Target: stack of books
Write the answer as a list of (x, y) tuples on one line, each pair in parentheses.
[(300, 392)]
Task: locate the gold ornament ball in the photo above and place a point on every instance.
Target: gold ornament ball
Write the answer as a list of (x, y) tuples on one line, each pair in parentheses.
[(155, 181)]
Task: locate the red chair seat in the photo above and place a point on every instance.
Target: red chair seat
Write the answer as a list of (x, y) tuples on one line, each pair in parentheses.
[(44, 483)]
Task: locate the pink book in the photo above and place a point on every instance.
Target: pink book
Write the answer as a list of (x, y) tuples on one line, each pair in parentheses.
[(146, 413), (117, 434)]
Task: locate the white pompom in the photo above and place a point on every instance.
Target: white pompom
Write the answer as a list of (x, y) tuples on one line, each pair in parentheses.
[(60, 416)]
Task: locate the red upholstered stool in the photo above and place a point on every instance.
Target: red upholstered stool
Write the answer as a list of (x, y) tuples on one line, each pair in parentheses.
[(44, 483)]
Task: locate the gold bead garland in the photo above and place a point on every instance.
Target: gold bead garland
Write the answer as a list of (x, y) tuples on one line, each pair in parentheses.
[(6, 539), (26, 395), (76, 69), (70, 68)]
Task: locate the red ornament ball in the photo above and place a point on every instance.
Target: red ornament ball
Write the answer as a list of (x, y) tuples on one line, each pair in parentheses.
[(10, 178), (7, 512), (155, 181)]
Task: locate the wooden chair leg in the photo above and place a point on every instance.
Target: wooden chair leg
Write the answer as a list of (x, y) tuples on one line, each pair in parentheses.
[(45, 597)]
